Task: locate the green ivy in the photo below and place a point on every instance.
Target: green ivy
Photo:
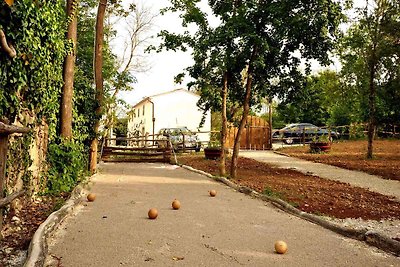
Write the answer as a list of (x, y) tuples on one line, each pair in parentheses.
[(68, 165), (32, 82), (18, 158), (33, 79)]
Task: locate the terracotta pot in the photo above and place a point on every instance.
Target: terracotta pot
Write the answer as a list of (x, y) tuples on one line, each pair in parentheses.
[(320, 147)]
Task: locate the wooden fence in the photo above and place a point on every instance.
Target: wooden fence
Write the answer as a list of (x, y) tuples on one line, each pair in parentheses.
[(255, 135), (136, 149)]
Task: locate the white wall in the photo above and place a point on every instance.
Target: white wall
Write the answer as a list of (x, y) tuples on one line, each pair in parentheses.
[(179, 108), (141, 121), (174, 109)]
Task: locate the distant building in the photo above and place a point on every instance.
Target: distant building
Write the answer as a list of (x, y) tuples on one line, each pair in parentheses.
[(171, 109)]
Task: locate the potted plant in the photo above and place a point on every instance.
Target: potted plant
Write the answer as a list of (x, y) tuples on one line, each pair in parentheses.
[(213, 150), (321, 143)]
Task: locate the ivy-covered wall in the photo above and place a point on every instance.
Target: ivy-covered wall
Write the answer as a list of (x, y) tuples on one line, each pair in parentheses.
[(30, 94)]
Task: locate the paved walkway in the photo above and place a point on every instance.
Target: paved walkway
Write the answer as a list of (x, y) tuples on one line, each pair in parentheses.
[(361, 179), (231, 229)]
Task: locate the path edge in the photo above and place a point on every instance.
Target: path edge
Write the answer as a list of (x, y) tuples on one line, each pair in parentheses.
[(370, 237), (38, 247)]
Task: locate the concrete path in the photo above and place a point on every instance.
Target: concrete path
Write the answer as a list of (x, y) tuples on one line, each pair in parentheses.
[(361, 179), (231, 229)]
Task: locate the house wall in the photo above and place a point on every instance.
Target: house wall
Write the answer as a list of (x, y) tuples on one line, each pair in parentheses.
[(173, 109), (141, 119)]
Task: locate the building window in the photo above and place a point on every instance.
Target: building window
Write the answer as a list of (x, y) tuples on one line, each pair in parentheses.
[(134, 113), (138, 112), (143, 110)]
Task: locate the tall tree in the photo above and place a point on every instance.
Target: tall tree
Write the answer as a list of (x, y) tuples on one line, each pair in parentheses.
[(98, 77), (138, 21), (69, 70), (371, 50), (265, 36), (314, 101)]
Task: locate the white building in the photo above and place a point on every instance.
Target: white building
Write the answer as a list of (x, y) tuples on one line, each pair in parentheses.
[(171, 109)]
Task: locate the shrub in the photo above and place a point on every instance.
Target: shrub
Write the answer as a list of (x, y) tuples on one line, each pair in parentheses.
[(67, 166)]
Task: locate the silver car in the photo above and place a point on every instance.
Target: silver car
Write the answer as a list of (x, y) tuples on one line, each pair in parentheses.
[(180, 137)]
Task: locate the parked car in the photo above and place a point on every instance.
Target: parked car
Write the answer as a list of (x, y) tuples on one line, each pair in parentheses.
[(294, 133), (177, 137)]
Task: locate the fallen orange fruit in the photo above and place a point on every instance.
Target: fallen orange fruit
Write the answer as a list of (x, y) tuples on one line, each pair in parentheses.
[(91, 197), (176, 204), (213, 193), (280, 247), (153, 213)]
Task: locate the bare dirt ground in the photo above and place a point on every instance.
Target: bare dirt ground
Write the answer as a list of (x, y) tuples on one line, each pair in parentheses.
[(18, 229), (307, 192), (352, 155)]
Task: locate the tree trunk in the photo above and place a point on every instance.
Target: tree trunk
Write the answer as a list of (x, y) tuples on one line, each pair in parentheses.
[(98, 77), (224, 92), (246, 109), (270, 123), (371, 104), (68, 72)]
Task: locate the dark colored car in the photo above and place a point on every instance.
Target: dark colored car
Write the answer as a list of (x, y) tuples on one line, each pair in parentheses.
[(295, 132), (177, 136)]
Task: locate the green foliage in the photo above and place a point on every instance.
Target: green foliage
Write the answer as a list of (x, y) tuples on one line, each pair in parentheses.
[(264, 30), (371, 46), (33, 79), (315, 103), (57, 205), (114, 79), (84, 116), (68, 162), (121, 127), (32, 82), (18, 160), (357, 131)]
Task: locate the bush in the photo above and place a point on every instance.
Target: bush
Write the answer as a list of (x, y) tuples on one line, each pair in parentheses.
[(67, 166)]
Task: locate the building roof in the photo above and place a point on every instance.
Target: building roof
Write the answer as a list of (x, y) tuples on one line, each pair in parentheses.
[(148, 98)]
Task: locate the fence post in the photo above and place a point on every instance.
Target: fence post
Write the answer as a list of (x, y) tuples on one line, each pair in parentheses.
[(183, 145), (329, 133), (5, 131), (3, 160)]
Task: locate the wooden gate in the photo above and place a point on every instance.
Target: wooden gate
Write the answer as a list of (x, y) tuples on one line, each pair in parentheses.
[(255, 135), (136, 149)]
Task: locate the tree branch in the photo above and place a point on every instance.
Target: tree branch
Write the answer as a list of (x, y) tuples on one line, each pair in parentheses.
[(7, 200), (7, 47)]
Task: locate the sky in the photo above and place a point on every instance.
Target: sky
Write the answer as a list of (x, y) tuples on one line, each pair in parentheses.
[(164, 65), (167, 64)]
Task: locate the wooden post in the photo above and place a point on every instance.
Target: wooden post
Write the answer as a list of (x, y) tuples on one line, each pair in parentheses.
[(329, 133), (183, 145), (167, 151), (5, 131), (270, 124), (3, 160)]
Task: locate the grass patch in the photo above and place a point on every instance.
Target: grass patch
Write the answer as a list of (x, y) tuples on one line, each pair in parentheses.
[(271, 193), (274, 194)]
